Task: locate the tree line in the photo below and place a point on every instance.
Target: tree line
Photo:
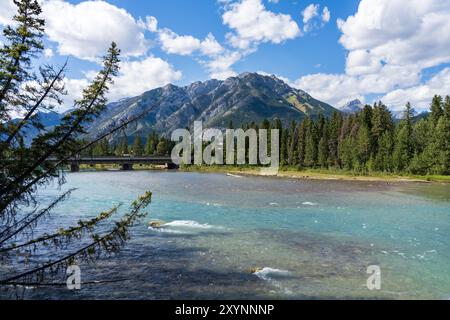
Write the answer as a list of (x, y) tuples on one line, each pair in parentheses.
[(365, 142), (153, 145), (371, 141)]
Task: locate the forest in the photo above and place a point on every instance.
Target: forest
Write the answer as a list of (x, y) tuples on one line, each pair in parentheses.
[(365, 142)]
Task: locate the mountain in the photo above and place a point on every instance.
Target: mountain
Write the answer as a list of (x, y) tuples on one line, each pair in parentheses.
[(352, 107), (47, 119), (249, 97), (416, 116)]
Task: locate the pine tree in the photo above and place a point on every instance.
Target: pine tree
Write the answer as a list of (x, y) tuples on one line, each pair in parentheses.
[(292, 142), (311, 144), (383, 158), (265, 125), (24, 168), (104, 145), (366, 117), (436, 109), (152, 141), (161, 148), (333, 141), (97, 150), (301, 143), (381, 122), (446, 135), (323, 152), (404, 149), (347, 153), (22, 43), (122, 148), (138, 146)]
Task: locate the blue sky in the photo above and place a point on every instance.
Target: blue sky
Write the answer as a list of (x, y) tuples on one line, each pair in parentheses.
[(335, 50)]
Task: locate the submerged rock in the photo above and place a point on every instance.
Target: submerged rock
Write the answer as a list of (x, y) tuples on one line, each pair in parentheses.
[(255, 269), (156, 224)]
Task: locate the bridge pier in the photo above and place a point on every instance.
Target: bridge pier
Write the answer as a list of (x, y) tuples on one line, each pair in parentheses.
[(74, 167), (171, 166), (127, 166)]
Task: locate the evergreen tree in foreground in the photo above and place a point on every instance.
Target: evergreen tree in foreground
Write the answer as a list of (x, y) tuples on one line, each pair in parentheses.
[(23, 169)]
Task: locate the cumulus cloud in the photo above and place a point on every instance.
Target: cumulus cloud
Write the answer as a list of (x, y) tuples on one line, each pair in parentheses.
[(210, 46), (389, 46), (326, 15), (150, 23), (393, 33), (221, 66), (310, 12), (48, 53), (185, 45), (420, 96), (253, 23), (85, 30), (312, 19), (74, 88), (176, 44), (135, 77), (337, 89), (7, 11)]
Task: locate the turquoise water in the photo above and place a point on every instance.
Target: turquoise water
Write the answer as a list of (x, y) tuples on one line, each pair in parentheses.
[(307, 239)]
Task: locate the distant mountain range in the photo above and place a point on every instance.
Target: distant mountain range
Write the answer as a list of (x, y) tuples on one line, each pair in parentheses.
[(356, 106), (353, 106), (249, 97)]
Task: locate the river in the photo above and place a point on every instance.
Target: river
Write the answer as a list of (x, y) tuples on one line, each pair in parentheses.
[(305, 239)]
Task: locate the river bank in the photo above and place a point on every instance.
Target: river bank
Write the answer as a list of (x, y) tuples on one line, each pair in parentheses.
[(319, 174)]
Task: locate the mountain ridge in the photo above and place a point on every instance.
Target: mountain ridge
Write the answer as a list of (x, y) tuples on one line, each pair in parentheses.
[(248, 97), (352, 106)]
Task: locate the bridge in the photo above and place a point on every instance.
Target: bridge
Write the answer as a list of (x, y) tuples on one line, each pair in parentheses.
[(125, 162)]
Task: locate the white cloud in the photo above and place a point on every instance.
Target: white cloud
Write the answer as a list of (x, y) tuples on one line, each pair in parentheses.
[(361, 62), (7, 11), (150, 23), (420, 96), (326, 15), (85, 30), (389, 45), (312, 19), (254, 24), (210, 46), (310, 12), (48, 53), (135, 77), (74, 89), (187, 45), (176, 44), (398, 34), (220, 66), (138, 76), (337, 89)]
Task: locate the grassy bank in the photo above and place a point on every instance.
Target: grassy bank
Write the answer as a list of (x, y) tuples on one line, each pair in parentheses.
[(320, 174)]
